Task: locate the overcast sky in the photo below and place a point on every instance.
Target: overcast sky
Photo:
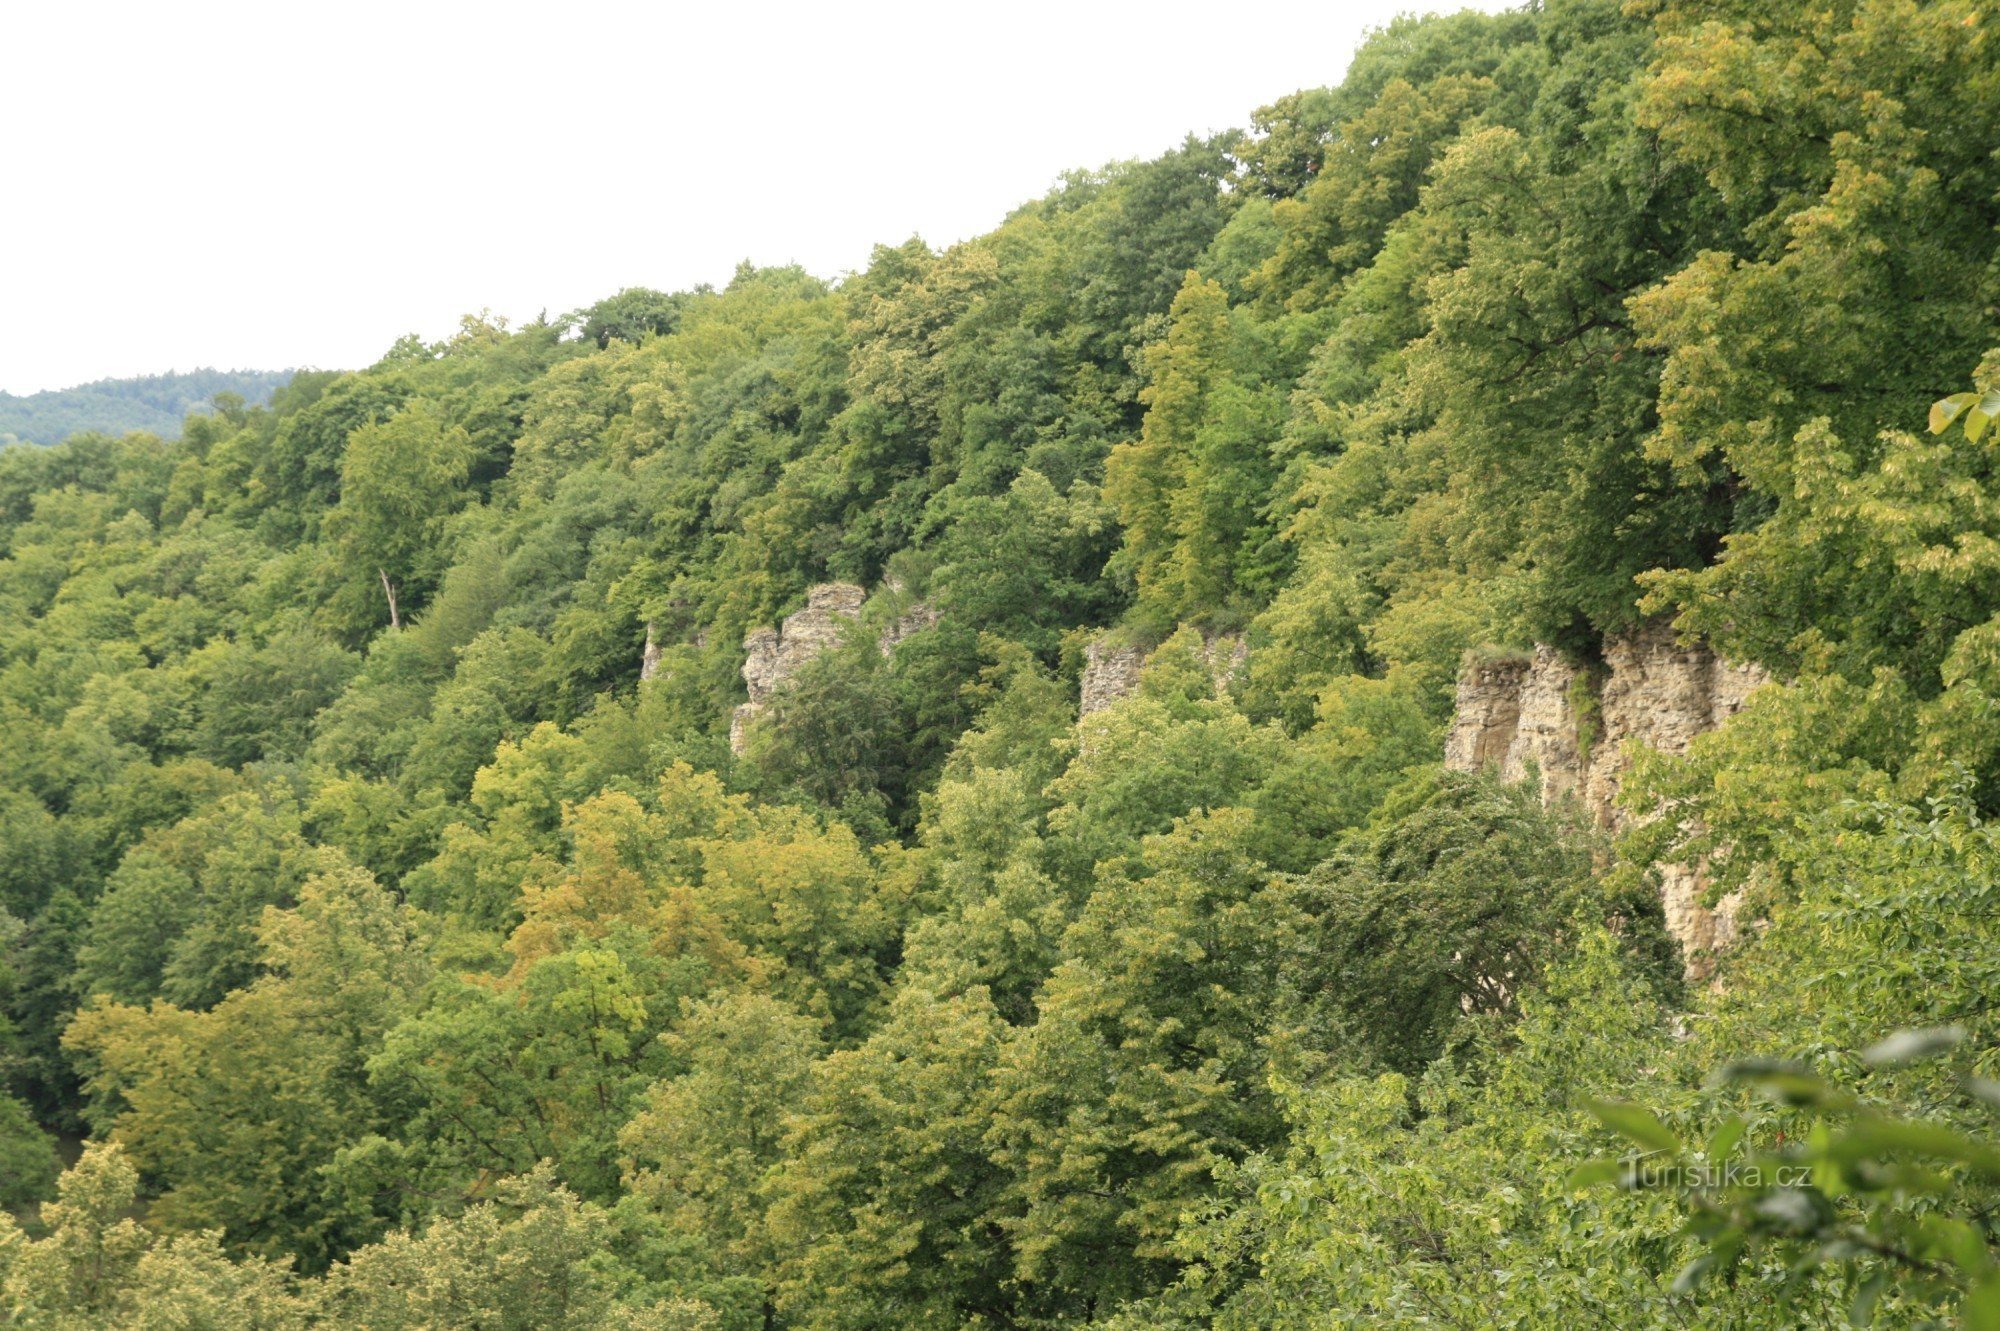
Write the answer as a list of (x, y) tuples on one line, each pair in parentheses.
[(267, 185)]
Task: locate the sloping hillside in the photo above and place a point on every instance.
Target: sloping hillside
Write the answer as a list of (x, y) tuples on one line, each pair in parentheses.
[(157, 403), (1390, 719)]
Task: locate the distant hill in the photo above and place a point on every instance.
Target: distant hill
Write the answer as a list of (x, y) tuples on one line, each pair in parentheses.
[(155, 402)]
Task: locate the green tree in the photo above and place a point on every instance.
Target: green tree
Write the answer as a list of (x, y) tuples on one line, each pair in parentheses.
[(702, 1149), (634, 313), (1148, 1064), (888, 1197), (1190, 493), (236, 1114), (529, 1259), (27, 1156), (400, 479), (179, 916), (1449, 907)]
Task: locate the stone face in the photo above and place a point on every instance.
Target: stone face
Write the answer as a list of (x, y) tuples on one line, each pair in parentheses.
[(762, 671), (1663, 695), (1228, 657), (739, 726), (649, 658), (1701, 932), (1487, 715), (1656, 692), (1111, 672), (773, 656), (908, 624), (1513, 712), (1547, 733)]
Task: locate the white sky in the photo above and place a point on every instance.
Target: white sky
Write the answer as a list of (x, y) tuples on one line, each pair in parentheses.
[(273, 184)]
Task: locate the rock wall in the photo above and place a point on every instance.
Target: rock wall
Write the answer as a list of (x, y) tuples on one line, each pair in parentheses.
[(1486, 716), (649, 656), (908, 624), (774, 655), (1575, 731), (653, 655), (1111, 671)]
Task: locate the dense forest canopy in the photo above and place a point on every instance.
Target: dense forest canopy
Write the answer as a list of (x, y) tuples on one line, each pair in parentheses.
[(155, 403), (388, 914)]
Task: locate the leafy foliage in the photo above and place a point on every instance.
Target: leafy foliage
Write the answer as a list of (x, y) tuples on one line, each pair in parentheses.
[(388, 903), (154, 403)]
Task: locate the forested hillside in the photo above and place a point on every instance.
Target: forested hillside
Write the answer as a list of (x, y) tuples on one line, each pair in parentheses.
[(404, 959), (157, 403)]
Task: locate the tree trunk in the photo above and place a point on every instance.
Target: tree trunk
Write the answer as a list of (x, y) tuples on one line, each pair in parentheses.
[(389, 590)]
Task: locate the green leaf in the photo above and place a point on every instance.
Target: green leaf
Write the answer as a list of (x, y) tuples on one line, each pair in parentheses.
[(1873, 1136), (1963, 1242), (1862, 1311), (1790, 1208), (1876, 1176), (1980, 1309), (1639, 1125), (1976, 422), (1691, 1275), (1754, 1069), (1787, 1082), (1593, 1172), (1946, 410), (1708, 1226), (1913, 1046), (1723, 1140)]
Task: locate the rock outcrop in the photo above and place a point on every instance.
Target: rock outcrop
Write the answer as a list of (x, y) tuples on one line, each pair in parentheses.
[(774, 655), (652, 657), (908, 624), (649, 657), (1111, 670), (1486, 716), (1575, 727)]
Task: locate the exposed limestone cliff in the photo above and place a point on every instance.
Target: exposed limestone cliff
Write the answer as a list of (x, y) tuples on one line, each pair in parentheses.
[(649, 658), (908, 624), (1111, 671), (1486, 718), (774, 655), (652, 657), (1576, 732), (1228, 657)]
